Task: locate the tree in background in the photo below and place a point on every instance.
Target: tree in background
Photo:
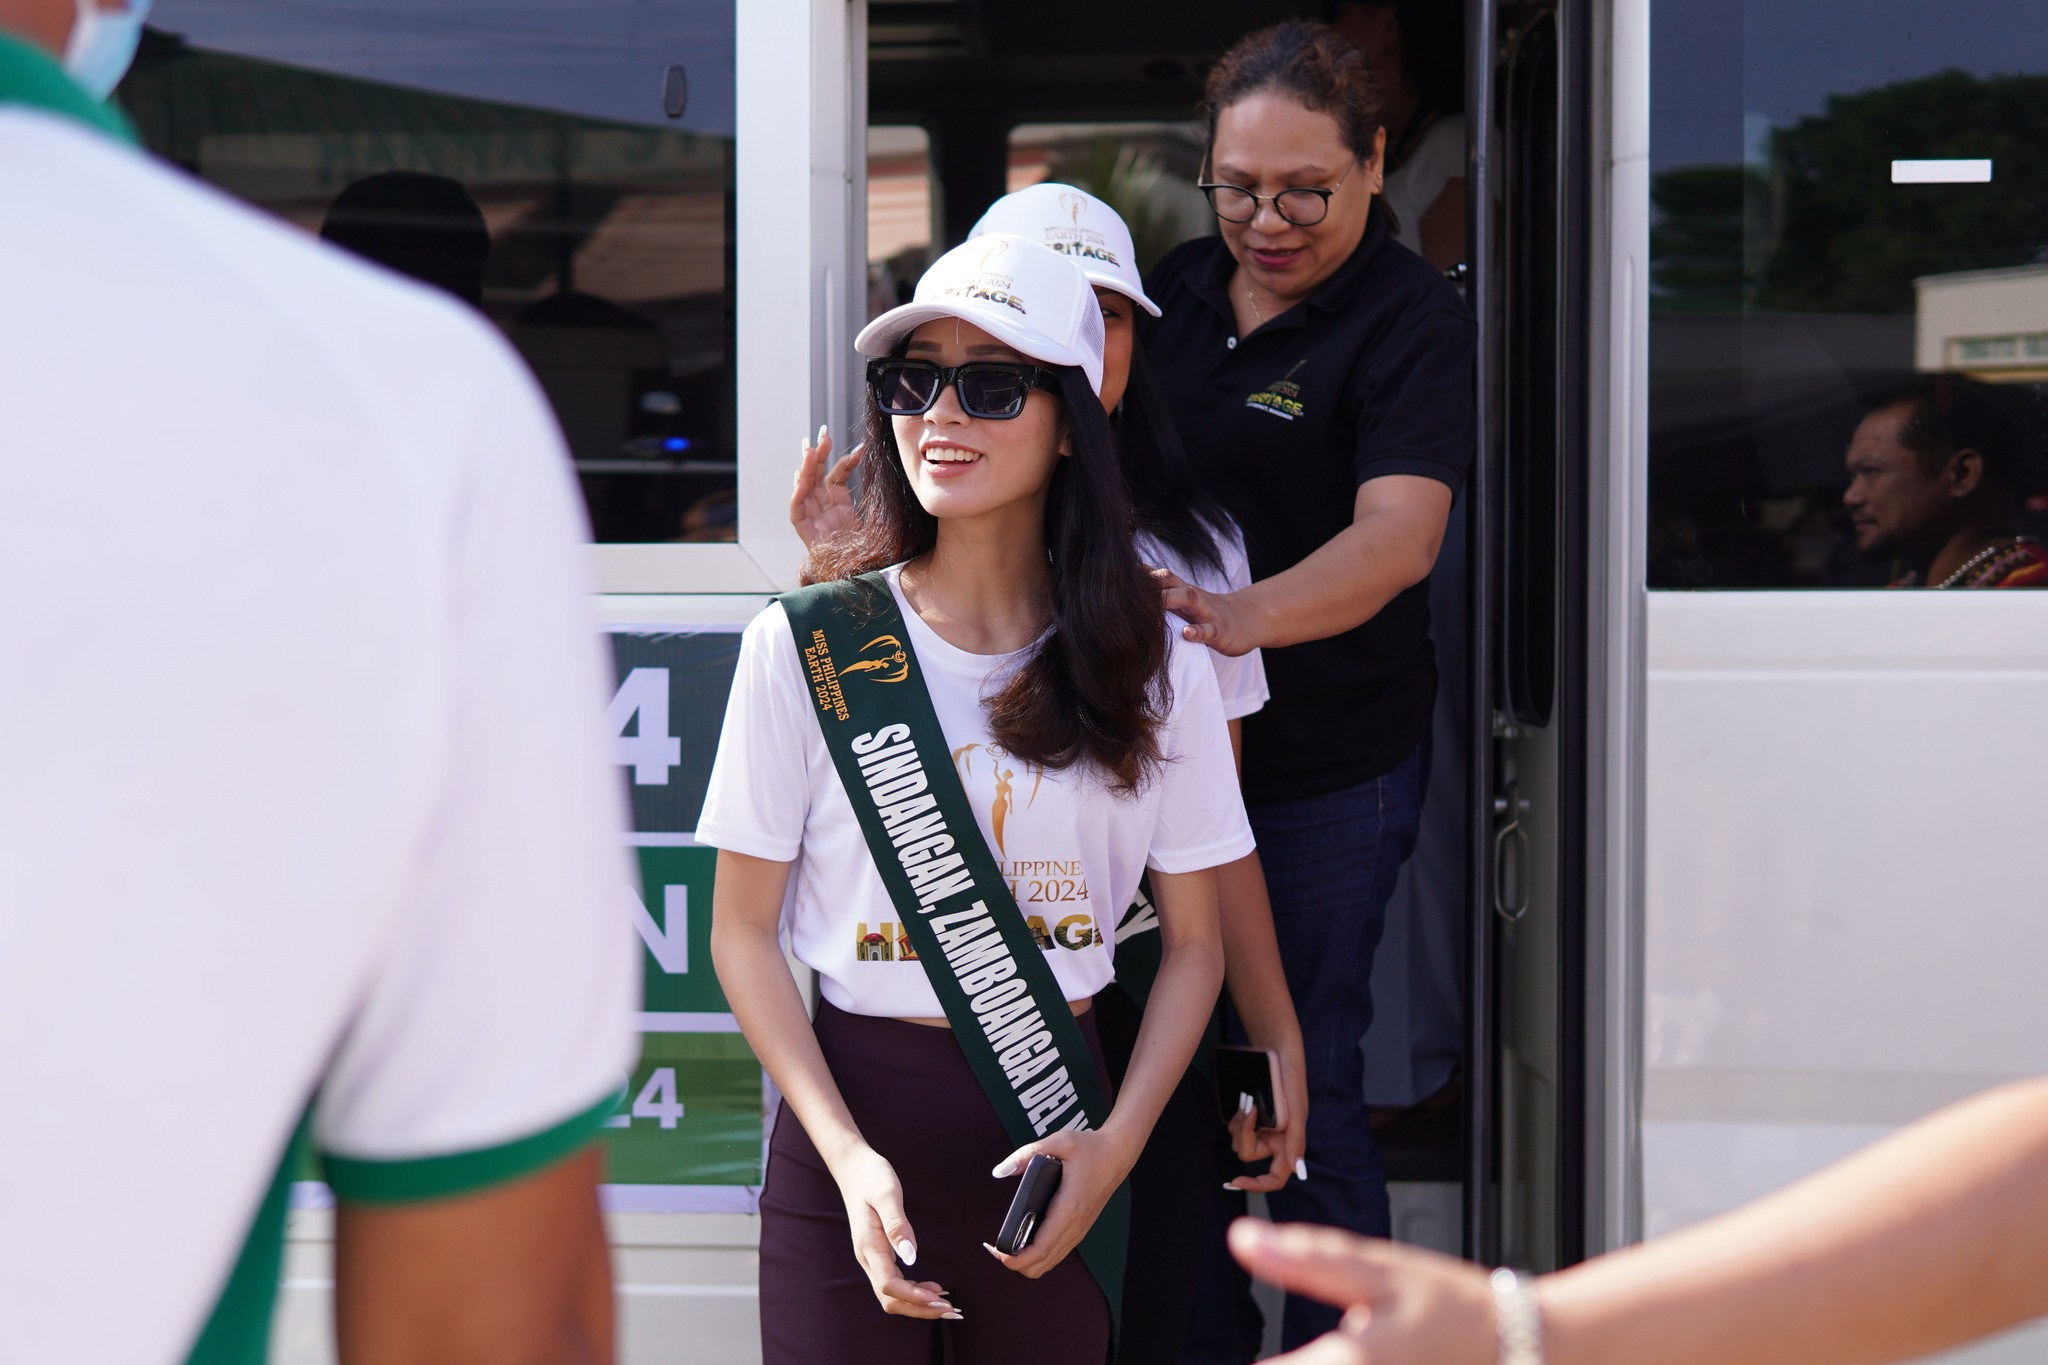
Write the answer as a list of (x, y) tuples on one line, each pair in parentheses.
[(1851, 241), (1703, 223), (1828, 232)]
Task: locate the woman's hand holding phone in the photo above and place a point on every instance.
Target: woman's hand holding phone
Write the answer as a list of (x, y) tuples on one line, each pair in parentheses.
[(882, 1238), (1284, 1146), (1095, 1164)]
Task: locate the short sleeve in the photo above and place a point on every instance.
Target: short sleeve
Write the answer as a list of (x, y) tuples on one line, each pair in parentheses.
[(1414, 397), (498, 1022), (759, 794), (1240, 680), (1201, 821)]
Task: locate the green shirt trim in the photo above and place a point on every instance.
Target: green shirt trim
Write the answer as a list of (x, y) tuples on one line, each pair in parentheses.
[(440, 1177), (30, 76)]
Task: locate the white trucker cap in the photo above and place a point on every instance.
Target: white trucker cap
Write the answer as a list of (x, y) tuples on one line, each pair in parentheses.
[(1027, 296), (1074, 223)]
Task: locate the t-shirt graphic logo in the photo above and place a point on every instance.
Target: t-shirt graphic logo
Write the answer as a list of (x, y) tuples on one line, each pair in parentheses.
[(887, 943), (877, 670), (1004, 802), (1281, 397)]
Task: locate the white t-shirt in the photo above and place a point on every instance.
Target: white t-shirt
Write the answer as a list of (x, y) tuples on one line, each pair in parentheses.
[(1241, 680), (305, 787), (1072, 851), (1433, 163)]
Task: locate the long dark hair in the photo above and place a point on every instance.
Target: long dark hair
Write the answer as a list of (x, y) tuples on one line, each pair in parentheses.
[(1095, 689), (1168, 502)]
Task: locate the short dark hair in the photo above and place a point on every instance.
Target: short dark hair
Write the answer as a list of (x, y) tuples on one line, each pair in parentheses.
[(1311, 62), (1949, 413)]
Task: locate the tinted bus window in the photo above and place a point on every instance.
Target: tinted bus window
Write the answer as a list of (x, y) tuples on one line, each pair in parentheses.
[(567, 169), (1849, 307)]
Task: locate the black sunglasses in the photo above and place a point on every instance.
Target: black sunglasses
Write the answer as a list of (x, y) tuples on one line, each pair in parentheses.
[(987, 388)]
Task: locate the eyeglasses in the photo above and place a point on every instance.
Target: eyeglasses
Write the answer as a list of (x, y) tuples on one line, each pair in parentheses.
[(1300, 206), (988, 388)]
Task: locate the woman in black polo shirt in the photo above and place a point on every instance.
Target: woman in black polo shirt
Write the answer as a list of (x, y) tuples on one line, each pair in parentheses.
[(1322, 377)]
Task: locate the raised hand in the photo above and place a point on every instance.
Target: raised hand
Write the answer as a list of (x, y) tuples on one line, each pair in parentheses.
[(821, 506)]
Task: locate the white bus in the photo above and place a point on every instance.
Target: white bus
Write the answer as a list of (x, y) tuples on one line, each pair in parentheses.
[(1746, 871)]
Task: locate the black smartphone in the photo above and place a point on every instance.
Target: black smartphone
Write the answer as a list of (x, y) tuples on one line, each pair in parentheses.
[(1027, 1207), (1253, 1071)]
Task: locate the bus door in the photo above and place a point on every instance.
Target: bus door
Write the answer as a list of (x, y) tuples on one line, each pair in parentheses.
[(1526, 553)]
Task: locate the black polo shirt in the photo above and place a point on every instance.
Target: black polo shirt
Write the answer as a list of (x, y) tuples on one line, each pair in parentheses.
[(1371, 375)]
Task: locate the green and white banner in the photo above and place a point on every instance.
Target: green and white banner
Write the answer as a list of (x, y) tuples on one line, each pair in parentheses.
[(689, 1136)]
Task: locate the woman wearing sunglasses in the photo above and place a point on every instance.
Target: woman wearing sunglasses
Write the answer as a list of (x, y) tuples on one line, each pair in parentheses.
[(1321, 376), (1180, 527), (1090, 745)]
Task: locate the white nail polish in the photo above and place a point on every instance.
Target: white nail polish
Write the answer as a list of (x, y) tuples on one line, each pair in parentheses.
[(1300, 1169), (906, 1252), (1008, 1167), (953, 1317), (1245, 1103), (1232, 1187)]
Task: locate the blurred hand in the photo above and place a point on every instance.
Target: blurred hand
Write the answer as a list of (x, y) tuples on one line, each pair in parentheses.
[(1219, 620), (1281, 1147), (822, 505), (1403, 1305), (1095, 1164), (882, 1236)]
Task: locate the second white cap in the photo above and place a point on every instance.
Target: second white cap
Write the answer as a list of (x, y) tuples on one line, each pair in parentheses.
[(1076, 224)]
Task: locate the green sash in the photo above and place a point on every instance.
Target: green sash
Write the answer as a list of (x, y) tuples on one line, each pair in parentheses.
[(991, 977)]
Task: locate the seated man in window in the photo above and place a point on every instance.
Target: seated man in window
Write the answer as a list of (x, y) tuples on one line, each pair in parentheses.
[(1937, 476)]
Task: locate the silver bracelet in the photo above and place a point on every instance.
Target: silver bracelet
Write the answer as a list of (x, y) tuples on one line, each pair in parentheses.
[(1517, 1317)]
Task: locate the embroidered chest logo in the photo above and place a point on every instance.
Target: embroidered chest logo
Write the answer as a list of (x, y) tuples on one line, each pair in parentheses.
[(892, 665), (1281, 397)]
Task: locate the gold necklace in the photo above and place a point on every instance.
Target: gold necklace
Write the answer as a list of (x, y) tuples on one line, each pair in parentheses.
[(1256, 312)]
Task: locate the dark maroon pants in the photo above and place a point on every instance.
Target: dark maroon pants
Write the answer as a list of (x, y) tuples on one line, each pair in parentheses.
[(917, 1102)]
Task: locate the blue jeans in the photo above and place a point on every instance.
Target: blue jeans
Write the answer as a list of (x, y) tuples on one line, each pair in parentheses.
[(1331, 863)]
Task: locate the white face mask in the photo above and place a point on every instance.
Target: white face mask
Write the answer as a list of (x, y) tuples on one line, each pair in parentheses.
[(102, 45)]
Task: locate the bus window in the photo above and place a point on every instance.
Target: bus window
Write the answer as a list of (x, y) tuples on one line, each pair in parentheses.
[(1849, 293), (567, 170)]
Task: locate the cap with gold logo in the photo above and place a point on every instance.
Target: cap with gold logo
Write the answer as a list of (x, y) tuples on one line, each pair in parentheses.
[(1025, 295), (1076, 224)]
